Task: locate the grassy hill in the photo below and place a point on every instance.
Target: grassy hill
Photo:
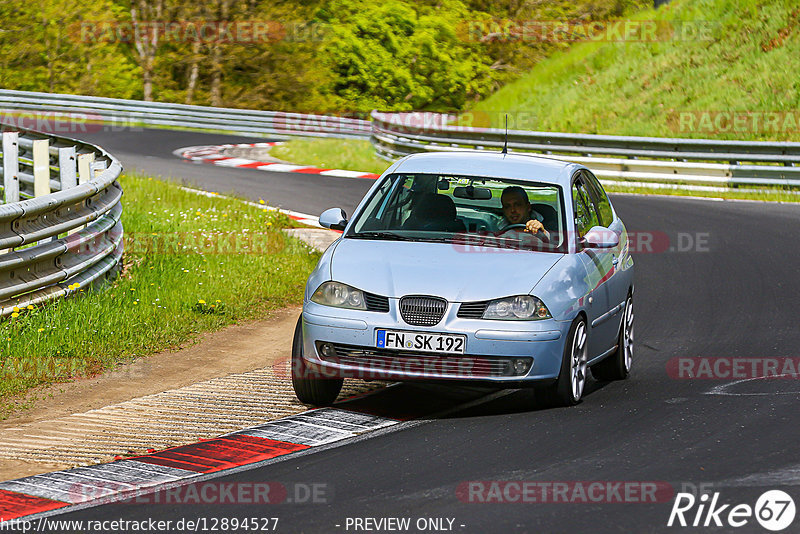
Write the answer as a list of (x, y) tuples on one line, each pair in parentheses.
[(745, 59), (714, 68)]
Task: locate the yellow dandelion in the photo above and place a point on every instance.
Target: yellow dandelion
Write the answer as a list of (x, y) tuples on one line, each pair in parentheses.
[(201, 301), (41, 330), (29, 306), (261, 201), (15, 309), (219, 301), (15, 314)]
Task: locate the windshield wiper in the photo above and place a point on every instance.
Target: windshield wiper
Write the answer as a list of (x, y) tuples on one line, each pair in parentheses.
[(381, 235), (438, 239)]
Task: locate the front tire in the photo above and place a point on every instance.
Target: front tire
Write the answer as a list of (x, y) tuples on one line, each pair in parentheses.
[(618, 365), (568, 388), (310, 386)]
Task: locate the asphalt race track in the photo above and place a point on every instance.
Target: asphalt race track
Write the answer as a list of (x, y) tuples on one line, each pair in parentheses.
[(732, 292), (150, 151)]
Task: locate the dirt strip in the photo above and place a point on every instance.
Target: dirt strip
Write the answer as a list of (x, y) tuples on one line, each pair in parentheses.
[(237, 349), (227, 381)]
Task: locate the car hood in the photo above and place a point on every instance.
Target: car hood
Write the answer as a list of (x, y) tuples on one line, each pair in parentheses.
[(398, 268)]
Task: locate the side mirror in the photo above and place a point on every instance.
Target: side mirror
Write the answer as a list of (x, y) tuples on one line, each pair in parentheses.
[(334, 218), (599, 237)]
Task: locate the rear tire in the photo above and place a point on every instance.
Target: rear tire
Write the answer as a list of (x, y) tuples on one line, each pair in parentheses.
[(617, 366), (310, 386), (568, 388)]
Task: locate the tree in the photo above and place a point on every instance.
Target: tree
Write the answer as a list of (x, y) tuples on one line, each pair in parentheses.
[(56, 47)]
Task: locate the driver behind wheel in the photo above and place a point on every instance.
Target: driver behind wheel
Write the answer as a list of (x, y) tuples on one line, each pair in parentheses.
[(517, 209)]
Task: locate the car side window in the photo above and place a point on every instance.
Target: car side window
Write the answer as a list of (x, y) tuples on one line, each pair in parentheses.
[(585, 215), (604, 211), (381, 209)]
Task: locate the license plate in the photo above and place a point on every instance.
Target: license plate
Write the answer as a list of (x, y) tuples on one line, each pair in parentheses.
[(420, 341)]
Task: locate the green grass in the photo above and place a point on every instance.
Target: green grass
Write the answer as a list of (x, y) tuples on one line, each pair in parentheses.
[(348, 154), (747, 60), (192, 264), (750, 63), (765, 195)]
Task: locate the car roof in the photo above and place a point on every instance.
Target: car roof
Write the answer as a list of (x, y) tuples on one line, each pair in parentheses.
[(491, 164)]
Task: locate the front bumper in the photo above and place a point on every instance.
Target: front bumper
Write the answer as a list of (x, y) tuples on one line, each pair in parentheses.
[(492, 347)]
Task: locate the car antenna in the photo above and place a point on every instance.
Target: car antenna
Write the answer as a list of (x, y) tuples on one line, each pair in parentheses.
[(505, 142)]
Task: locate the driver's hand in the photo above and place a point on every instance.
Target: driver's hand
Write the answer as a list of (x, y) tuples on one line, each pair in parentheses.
[(533, 226)]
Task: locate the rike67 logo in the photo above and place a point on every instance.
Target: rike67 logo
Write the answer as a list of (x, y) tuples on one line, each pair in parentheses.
[(774, 510)]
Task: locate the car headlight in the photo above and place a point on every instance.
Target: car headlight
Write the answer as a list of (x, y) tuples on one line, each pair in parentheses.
[(339, 295), (519, 308)]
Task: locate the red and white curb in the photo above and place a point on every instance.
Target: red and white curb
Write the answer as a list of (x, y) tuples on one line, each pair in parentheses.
[(213, 154), (179, 465)]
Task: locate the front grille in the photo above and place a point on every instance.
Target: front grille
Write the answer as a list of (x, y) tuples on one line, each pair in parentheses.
[(376, 363), (376, 303), (422, 311), (472, 310)]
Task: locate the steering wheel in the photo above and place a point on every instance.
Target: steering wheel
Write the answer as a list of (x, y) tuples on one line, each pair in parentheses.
[(537, 235)]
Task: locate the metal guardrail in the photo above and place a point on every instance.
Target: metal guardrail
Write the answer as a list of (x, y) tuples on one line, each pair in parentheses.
[(59, 233), (133, 113), (648, 159)]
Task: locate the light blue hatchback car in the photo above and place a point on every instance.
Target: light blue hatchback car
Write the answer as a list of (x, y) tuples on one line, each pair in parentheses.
[(492, 269)]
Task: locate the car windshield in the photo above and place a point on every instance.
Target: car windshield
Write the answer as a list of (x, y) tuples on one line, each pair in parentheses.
[(491, 212)]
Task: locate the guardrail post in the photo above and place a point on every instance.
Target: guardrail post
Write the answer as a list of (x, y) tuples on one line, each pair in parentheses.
[(68, 172), (85, 167), (11, 167), (98, 167), (41, 168), (47, 254), (67, 167)]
